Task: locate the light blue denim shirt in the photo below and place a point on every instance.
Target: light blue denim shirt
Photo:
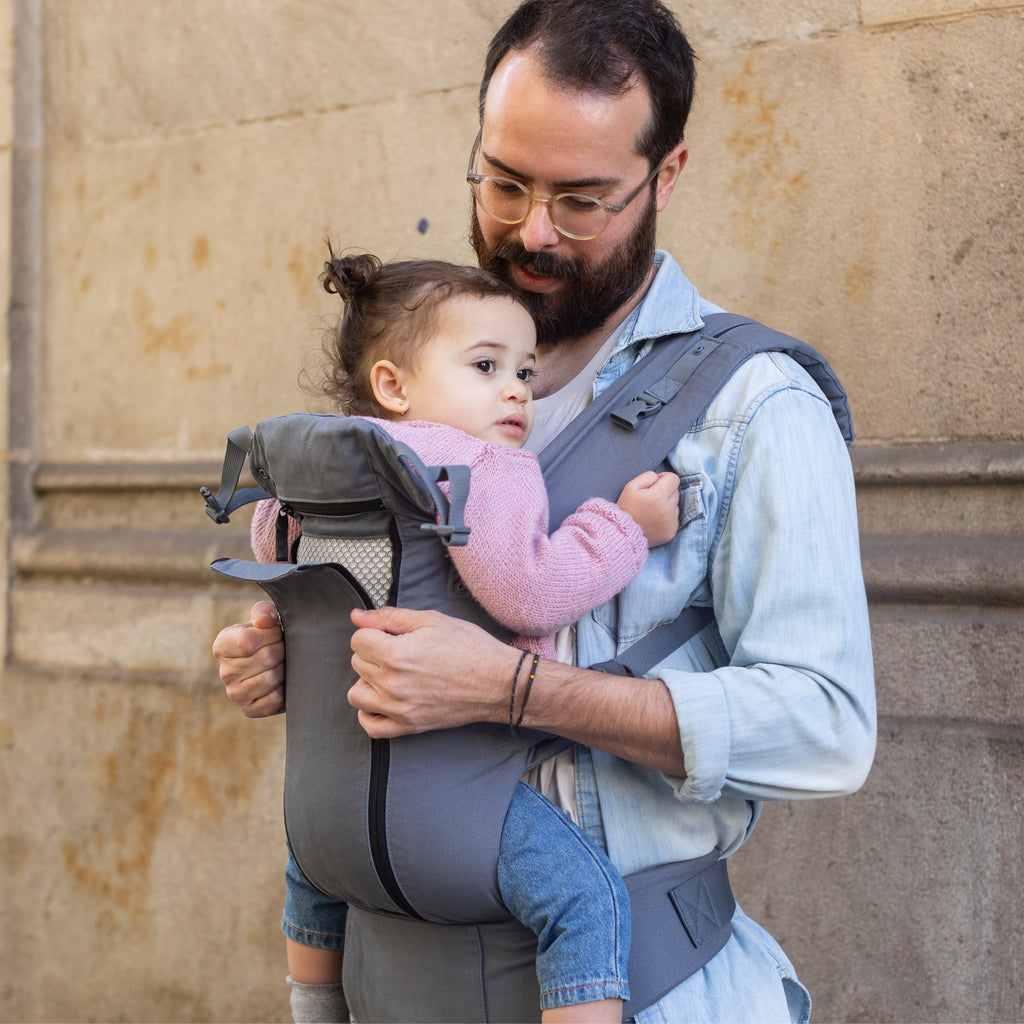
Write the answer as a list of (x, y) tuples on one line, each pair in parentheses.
[(777, 702)]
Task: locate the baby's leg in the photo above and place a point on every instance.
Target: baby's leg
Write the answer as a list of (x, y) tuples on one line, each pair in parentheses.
[(314, 929), (566, 891)]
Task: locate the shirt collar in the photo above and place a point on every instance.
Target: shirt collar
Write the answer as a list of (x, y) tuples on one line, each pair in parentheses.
[(671, 306)]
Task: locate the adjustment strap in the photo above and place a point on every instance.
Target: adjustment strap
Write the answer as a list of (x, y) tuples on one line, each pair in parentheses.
[(229, 498), (639, 658)]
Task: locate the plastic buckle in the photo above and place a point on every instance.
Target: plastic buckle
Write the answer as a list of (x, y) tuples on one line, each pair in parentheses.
[(214, 509), (451, 535), (637, 409)]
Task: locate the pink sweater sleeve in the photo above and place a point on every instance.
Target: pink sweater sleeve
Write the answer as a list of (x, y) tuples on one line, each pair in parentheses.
[(532, 582), (263, 530)]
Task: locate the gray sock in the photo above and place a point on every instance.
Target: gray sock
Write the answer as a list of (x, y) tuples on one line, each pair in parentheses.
[(319, 1004)]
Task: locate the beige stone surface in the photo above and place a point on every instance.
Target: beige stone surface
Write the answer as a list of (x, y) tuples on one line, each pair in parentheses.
[(891, 12), (863, 192), (6, 141), (143, 854), (713, 26), (125, 70), (6, 79), (854, 178), (189, 283)]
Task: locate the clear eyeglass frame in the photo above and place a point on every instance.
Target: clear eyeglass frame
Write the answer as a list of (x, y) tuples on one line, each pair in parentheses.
[(600, 207)]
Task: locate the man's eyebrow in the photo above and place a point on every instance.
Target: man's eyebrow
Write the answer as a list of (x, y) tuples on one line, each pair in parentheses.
[(559, 186)]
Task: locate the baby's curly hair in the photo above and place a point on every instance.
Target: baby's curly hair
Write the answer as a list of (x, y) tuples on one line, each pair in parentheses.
[(391, 311)]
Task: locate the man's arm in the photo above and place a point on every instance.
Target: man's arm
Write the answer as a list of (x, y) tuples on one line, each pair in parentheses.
[(251, 656), (420, 671)]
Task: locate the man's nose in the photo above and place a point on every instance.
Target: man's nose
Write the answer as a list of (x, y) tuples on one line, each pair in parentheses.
[(538, 231)]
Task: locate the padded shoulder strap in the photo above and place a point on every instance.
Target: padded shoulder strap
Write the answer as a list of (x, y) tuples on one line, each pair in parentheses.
[(637, 421), (640, 418)]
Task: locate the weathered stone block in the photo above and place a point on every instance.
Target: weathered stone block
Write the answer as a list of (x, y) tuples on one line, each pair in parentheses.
[(711, 25), (914, 910), (893, 12), (159, 839), (122, 70), (188, 280), (863, 192), (119, 628)]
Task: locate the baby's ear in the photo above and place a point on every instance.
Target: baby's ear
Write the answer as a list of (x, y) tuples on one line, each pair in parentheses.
[(385, 379)]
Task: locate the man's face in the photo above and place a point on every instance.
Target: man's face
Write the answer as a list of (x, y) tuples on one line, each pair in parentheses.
[(589, 292), (557, 141)]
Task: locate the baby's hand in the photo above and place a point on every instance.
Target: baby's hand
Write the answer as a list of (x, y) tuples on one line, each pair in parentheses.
[(652, 499)]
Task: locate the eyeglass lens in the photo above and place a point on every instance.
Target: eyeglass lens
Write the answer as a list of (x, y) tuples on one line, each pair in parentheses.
[(509, 201)]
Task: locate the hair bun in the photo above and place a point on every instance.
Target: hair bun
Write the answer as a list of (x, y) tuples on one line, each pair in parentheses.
[(348, 275)]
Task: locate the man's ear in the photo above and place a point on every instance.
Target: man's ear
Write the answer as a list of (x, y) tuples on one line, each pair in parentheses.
[(386, 381), (671, 168)]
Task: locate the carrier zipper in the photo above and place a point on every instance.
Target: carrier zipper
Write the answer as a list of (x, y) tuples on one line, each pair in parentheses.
[(376, 809), (333, 508)]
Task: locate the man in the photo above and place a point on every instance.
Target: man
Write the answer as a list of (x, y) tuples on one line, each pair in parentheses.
[(772, 701)]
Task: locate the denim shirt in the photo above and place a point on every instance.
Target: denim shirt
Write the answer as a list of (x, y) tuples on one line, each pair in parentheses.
[(775, 700)]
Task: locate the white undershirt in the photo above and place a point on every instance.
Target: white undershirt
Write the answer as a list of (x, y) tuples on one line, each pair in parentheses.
[(553, 413)]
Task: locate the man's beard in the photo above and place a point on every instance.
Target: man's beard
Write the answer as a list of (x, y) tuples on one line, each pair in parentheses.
[(591, 293)]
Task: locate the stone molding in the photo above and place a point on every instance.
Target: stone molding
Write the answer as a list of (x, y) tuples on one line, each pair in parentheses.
[(953, 569)]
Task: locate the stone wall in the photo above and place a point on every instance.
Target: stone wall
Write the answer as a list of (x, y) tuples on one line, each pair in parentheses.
[(170, 171)]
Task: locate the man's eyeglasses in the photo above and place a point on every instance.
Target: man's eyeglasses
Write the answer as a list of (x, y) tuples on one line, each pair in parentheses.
[(573, 215)]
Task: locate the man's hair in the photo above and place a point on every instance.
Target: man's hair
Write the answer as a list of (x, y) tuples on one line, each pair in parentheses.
[(599, 46), (391, 311)]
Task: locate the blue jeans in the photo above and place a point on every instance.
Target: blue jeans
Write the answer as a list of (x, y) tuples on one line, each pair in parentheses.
[(310, 917), (552, 879), (565, 890)]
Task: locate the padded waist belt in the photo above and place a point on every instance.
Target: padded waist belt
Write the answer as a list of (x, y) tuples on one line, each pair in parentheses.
[(400, 969), (682, 916)]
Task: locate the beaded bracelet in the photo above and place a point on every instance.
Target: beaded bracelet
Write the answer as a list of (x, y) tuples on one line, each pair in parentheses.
[(512, 698), (529, 686)]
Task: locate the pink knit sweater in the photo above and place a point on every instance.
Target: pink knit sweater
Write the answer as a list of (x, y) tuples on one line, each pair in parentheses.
[(531, 582)]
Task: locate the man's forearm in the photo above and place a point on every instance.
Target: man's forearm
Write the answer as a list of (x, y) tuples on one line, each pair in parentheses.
[(631, 718)]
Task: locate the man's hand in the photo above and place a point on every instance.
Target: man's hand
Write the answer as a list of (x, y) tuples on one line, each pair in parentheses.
[(420, 671), (251, 656)]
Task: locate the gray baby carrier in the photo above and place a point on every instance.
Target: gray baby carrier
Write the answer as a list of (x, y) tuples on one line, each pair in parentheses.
[(407, 831)]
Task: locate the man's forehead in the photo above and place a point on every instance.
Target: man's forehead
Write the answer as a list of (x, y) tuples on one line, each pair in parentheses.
[(524, 110)]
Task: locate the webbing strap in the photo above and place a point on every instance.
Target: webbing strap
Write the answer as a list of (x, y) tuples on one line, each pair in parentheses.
[(605, 444), (639, 658), (229, 498)]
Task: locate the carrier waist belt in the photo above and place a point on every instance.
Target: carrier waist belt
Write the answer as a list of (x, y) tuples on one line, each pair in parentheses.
[(681, 917), (401, 969)]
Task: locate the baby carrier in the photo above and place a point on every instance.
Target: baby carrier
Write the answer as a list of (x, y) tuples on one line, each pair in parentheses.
[(408, 830)]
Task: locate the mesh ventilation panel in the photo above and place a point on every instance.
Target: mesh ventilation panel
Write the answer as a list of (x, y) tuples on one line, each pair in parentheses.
[(367, 558)]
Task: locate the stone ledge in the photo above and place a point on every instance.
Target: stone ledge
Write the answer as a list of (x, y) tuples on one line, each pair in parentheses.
[(136, 557), (57, 477), (986, 571), (939, 464)]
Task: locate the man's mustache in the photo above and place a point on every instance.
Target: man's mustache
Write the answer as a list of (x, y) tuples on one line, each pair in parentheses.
[(543, 264)]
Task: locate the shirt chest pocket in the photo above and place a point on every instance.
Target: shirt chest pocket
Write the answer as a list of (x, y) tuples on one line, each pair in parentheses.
[(674, 576)]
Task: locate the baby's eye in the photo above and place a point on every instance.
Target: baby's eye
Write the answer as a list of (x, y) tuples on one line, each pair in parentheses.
[(484, 365), (526, 373)]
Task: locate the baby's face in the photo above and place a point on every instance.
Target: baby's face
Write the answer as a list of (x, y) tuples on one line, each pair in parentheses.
[(475, 373)]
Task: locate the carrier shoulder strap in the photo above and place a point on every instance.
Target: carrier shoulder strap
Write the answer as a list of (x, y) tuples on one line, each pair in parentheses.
[(648, 409)]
